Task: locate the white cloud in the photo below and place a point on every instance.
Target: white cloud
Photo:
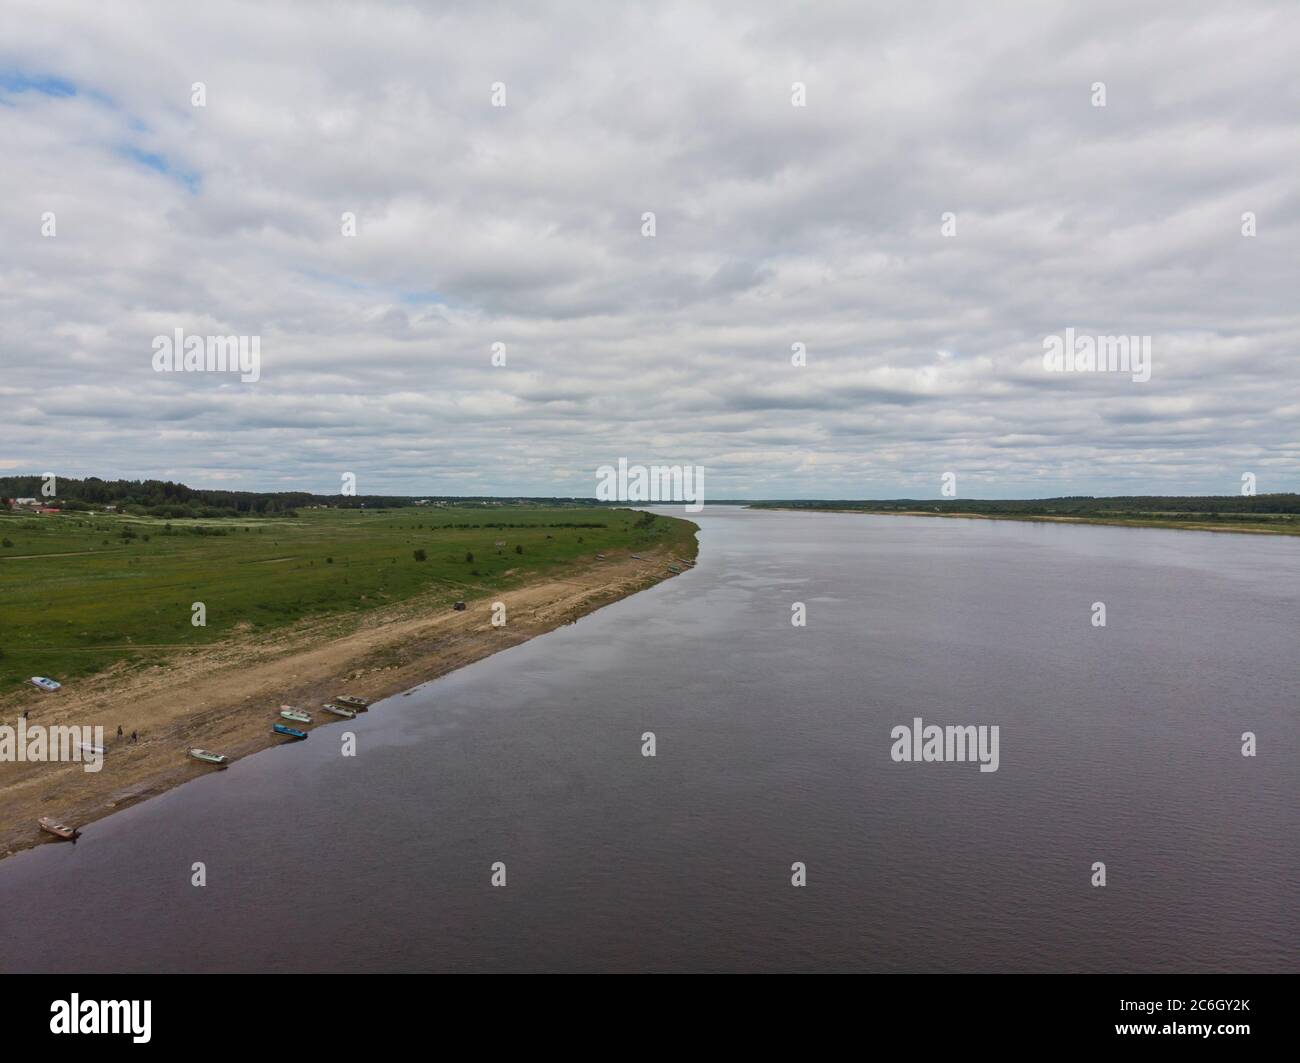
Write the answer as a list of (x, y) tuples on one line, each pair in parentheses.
[(776, 224)]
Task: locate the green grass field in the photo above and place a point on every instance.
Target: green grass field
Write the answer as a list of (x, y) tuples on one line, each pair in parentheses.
[(77, 596)]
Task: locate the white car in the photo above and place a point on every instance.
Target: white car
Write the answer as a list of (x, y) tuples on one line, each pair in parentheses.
[(48, 685)]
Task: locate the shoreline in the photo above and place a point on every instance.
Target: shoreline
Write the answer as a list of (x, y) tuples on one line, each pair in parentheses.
[(226, 697), (1034, 518)]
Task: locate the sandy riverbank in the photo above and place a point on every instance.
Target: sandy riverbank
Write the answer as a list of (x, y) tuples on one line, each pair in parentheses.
[(226, 697)]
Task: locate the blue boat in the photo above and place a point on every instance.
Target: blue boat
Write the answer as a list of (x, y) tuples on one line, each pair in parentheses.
[(289, 732)]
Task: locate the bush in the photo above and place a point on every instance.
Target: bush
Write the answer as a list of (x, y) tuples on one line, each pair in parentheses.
[(420, 555), (6, 542), (519, 549), (329, 561), (469, 558)]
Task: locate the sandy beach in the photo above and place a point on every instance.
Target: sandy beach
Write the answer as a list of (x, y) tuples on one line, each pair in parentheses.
[(225, 698)]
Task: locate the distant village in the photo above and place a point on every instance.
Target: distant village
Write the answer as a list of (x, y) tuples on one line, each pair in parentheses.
[(34, 505)]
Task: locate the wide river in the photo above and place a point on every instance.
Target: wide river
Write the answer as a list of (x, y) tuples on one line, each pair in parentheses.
[(1119, 744)]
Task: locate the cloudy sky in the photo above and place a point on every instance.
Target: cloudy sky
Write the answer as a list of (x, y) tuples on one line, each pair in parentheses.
[(775, 224)]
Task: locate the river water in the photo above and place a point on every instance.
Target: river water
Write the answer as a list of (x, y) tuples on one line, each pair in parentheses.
[(1120, 745)]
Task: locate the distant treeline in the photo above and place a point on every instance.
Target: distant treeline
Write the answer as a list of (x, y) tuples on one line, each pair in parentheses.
[(163, 498), (1224, 507)]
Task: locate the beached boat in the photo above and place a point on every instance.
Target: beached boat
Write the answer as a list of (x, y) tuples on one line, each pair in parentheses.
[(288, 732), (352, 702), (46, 684), (674, 569), (91, 750), (340, 710), (59, 830), (459, 607), (207, 756), (296, 715)]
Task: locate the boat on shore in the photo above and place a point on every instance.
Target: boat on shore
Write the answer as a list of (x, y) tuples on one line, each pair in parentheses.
[(340, 710), (59, 830), (45, 683), (296, 715), (352, 702), (207, 756), (91, 750), (288, 732)]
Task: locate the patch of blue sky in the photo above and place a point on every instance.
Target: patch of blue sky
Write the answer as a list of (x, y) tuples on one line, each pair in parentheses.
[(13, 81), (160, 164)]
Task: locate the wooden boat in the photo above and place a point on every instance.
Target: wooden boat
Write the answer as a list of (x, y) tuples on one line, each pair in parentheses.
[(288, 732), (296, 715), (59, 830), (340, 710), (352, 702), (207, 756)]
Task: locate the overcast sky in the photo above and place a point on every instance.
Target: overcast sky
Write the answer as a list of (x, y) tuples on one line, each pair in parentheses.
[(774, 224)]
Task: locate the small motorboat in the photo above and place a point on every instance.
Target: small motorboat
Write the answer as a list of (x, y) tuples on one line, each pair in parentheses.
[(459, 607), (91, 750), (59, 830), (288, 732), (207, 756), (340, 710), (296, 715), (46, 684), (352, 702)]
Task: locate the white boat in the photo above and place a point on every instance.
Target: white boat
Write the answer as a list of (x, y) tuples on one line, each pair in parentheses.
[(207, 756), (48, 685), (340, 710), (94, 751), (296, 715)]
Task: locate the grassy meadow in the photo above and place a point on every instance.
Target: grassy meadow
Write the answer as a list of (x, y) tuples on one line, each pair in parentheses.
[(81, 591)]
